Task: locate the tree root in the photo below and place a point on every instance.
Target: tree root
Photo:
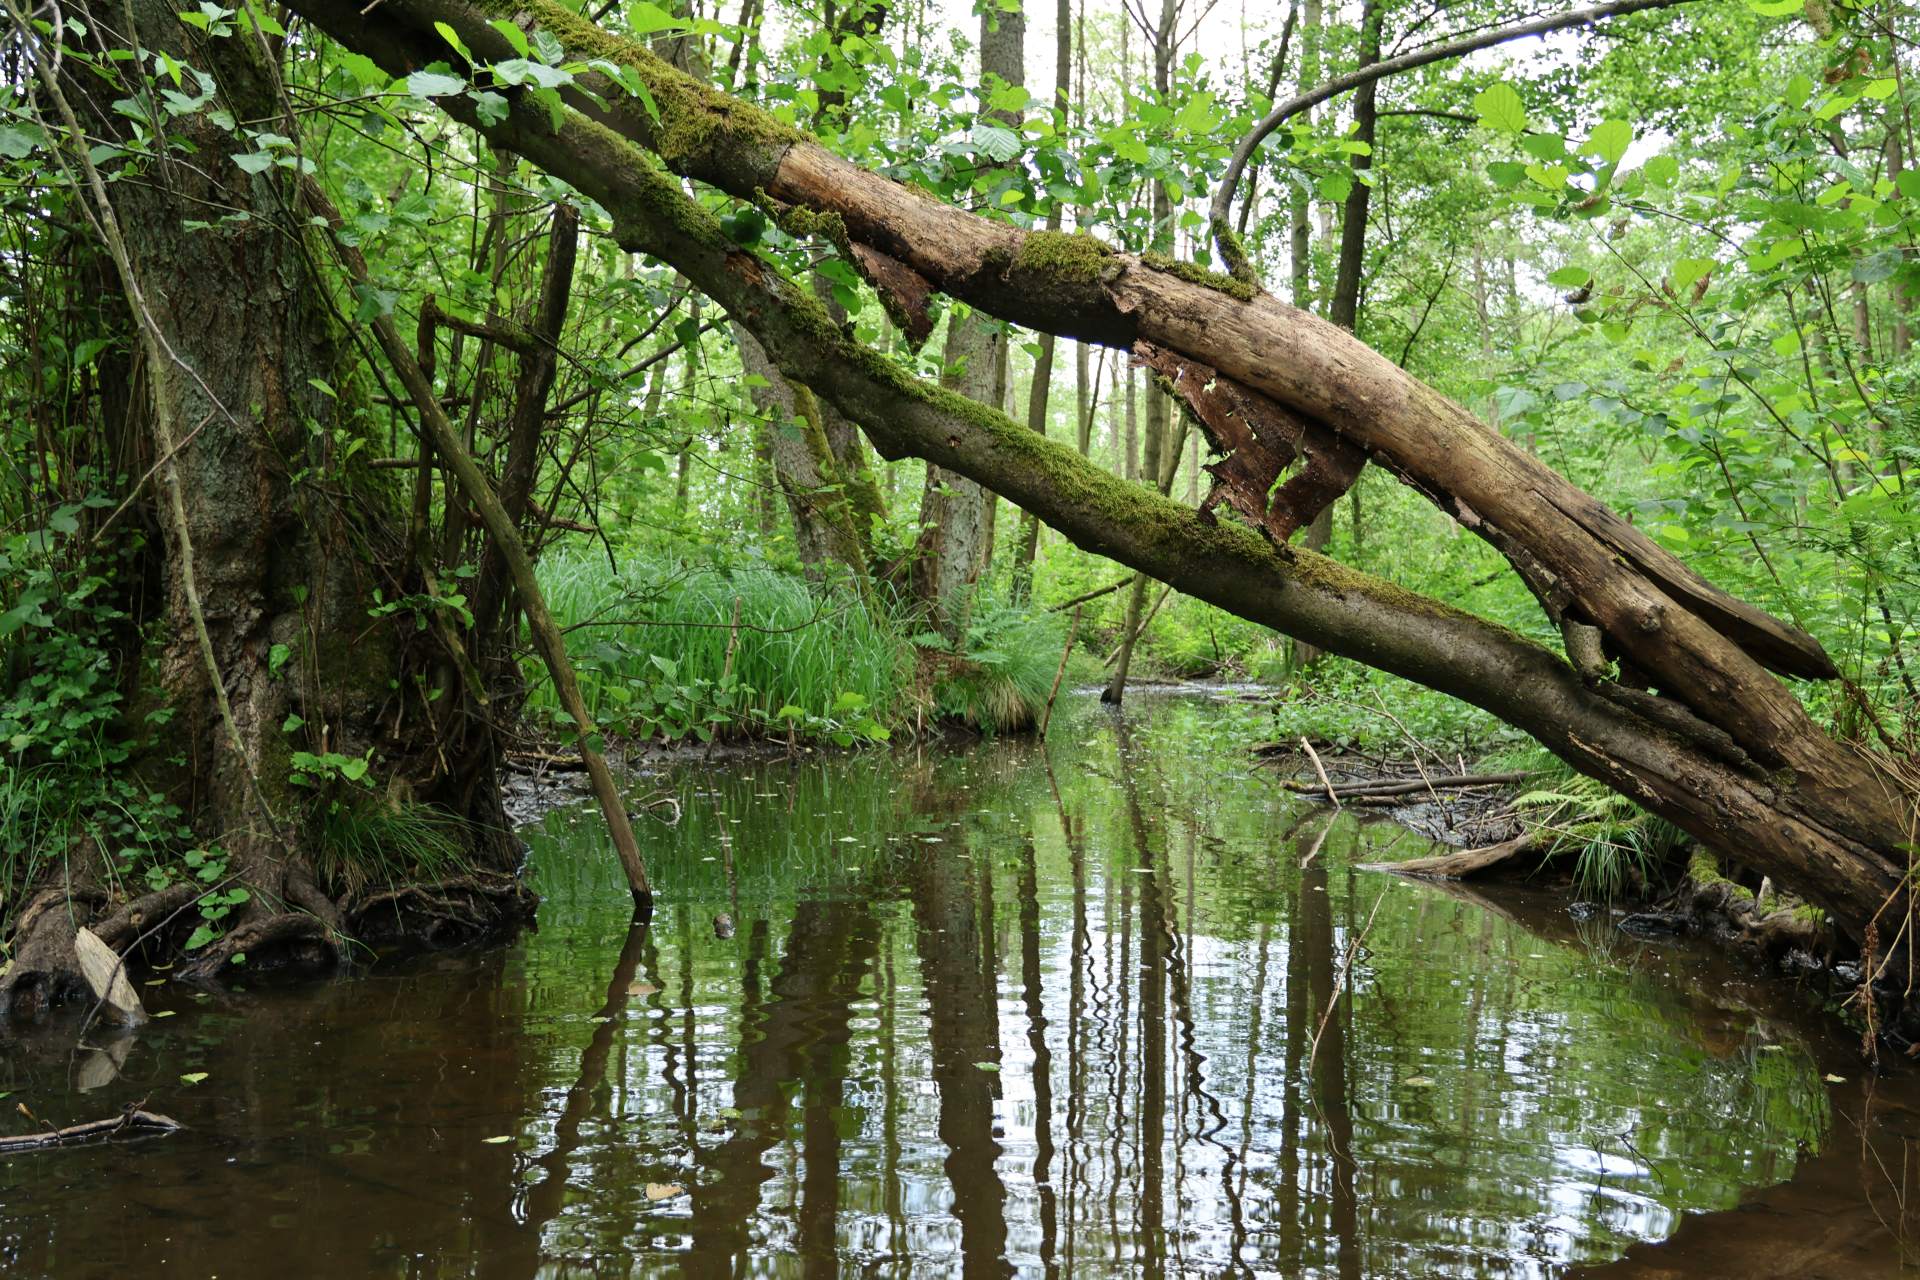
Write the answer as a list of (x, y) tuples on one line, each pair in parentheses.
[(448, 913), (286, 940)]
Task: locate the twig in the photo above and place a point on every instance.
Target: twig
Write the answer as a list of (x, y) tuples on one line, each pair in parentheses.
[(133, 1120), (1322, 771), (1046, 716)]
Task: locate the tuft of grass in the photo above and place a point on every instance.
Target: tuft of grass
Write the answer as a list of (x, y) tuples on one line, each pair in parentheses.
[(1000, 681), (380, 843), (651, 640), (1615, 844)]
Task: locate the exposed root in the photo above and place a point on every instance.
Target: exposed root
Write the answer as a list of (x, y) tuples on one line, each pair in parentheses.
[(287, 940), (448, 913)]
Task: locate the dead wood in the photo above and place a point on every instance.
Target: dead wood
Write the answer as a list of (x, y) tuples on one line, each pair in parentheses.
[(1465, 864), (1408, 786), (132, 1123)]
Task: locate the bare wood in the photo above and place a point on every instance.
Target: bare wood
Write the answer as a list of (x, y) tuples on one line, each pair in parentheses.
[(1095, 594), (106, 972), (1322, 771), (1463, 864), (1046, 716), (1409, 786)]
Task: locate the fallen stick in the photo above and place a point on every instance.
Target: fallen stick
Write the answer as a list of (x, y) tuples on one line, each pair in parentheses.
[(1046, 716), (1406, 786), (1322, 771), (129, 1123), (1095, 594), (1463, 864)]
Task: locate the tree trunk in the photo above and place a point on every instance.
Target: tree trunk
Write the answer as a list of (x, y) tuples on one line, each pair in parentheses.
[(825, 529), (1343, 308), (1029, 541), (284, 583), (956, 530)]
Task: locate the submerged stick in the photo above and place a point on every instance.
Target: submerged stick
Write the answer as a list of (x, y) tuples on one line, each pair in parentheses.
[(1408, 786), (131, 1123)]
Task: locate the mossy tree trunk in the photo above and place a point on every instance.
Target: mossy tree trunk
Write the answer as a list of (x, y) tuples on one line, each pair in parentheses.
[(288, 543), (956, 518)]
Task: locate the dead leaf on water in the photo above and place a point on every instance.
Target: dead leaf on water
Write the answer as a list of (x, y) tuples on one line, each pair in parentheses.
[(641, 989), (1418, 1082), (1834, 1079), (664, 1190), (498, 1139)]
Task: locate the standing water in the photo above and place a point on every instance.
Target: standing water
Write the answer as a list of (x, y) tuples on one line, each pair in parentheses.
[(1120, 1007)]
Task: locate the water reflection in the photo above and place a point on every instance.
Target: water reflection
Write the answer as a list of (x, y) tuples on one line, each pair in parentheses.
[(1112, 1009)]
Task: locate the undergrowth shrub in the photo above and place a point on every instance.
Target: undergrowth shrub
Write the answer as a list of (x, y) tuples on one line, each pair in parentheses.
[(999, 678), (65, 748)]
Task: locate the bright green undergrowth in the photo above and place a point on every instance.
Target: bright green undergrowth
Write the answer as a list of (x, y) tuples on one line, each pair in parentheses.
[(651, 638)]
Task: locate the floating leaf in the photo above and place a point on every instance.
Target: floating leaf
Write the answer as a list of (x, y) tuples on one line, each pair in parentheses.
[(1418, 1082), (664, 1190), (193, 1077), (1831, 1078), (988, 1066), (498, 1139)]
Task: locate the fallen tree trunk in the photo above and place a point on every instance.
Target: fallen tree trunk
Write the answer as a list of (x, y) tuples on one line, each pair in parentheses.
[(1731, 756)]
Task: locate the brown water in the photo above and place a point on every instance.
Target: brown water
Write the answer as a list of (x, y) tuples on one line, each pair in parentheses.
[(1118, 1009)]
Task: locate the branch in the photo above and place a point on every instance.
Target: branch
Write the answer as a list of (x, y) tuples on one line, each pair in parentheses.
[(1285, 111)]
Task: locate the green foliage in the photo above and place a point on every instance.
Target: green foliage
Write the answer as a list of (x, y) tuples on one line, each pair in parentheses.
[(1617, 847), (998, 680), (64, 745), (659, 655)]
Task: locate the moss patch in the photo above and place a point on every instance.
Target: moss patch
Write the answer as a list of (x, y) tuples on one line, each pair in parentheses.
[(1194, 273), (1069, 257), (694, 121)]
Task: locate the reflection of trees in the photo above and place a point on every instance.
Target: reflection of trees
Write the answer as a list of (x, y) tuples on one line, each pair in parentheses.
[(799, 1034), (963, 1030)]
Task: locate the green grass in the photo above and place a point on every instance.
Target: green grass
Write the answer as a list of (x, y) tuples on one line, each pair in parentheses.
[(999, 684), (1616, 845), (375, 843), (659, 665)]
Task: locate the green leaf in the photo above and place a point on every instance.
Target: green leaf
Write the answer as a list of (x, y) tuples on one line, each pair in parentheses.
[(193, 1077), (513, 35), (1500, 108), (452, 37), (1610, 141), (1661, 170), (996, 142), (435, 84), (1776, 8), (17, 142), (1570, 277), (1688, 271)]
